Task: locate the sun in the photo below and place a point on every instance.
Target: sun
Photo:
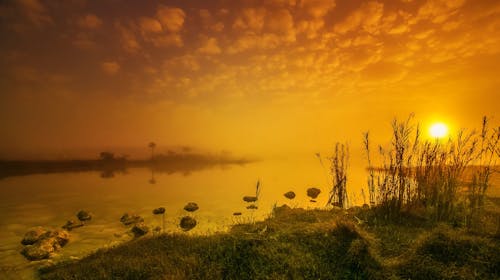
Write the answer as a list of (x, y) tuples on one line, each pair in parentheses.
[(438, 130)]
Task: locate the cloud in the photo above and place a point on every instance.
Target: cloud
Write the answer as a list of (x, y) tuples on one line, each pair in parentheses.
[(110, 67), (167, 40), (84, 41), (150, 25), (186, 63), (250, 19), (317, 8), (35, 12), (89, 21), (367, 17), (438, 11), (281, 22), (209, 46), (172, 19), (209, 21), (128, 38)]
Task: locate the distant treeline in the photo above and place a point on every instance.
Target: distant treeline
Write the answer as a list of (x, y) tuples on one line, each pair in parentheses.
[(109, 163)]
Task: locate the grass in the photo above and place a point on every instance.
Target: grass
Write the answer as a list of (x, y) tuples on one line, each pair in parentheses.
[(299, 244)]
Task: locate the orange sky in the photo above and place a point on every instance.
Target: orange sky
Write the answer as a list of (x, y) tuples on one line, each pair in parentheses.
[(252, 77)]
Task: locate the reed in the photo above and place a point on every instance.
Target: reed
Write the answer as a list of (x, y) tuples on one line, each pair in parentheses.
[(434, 175), (339, 164)]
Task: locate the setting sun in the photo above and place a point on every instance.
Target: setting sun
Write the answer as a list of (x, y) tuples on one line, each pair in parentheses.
[(438, 130)]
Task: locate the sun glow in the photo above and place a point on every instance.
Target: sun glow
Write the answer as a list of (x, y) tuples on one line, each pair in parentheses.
[(438, 130)]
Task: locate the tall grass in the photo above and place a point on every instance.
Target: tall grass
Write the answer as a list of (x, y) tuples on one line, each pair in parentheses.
[(338, 167), (417, 174)]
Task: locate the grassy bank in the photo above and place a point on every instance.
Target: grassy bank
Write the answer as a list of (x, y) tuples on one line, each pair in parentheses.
[(301, 244)]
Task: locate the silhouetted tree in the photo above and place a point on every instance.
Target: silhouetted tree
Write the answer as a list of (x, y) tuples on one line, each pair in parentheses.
[(106, 156), (152, 146)]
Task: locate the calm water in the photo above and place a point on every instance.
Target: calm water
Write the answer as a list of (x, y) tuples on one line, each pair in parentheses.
[(50, 200)]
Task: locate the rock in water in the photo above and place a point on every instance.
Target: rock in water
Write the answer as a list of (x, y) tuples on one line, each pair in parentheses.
[(290, 195), (159, 211), (46, 245), (252, 207), (127, 219), (60, 236), (42, 249), (187, 223), (71, 225), (140, 229), (32, 236), (249, 198), (191, 207), (84, 216), (313, 192), (237, 214)]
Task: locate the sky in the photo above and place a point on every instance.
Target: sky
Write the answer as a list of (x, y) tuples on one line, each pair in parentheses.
[(251, 77)]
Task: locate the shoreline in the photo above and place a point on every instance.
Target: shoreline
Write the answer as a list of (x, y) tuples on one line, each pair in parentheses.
[(298, 242)]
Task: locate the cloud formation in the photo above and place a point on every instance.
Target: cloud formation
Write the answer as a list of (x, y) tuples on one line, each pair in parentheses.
[(252, 52)]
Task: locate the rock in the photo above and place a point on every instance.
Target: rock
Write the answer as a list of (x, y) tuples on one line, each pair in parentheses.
[(313, 192), (71, 225), (280, 210), (312, 200), (237, 214), (252, 207), (32, 236), (249, 198), (187, 223), (42, 249), (289, 195), (84, 216), (48, 243), (191, 207), (60, 236), (159, 211), (157, 229), (140, 229), (127, 219)]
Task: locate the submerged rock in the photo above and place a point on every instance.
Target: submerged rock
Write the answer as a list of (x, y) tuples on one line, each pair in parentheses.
[(252, 207), (159, 211), (71, 225), (250, 198), (187, 223), (128, 220), (289, 195), (32, 236), (313, 192), (191, 207), (140, 229), (84, 216)]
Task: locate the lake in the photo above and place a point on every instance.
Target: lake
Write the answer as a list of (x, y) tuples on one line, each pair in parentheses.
[(49, 200)]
